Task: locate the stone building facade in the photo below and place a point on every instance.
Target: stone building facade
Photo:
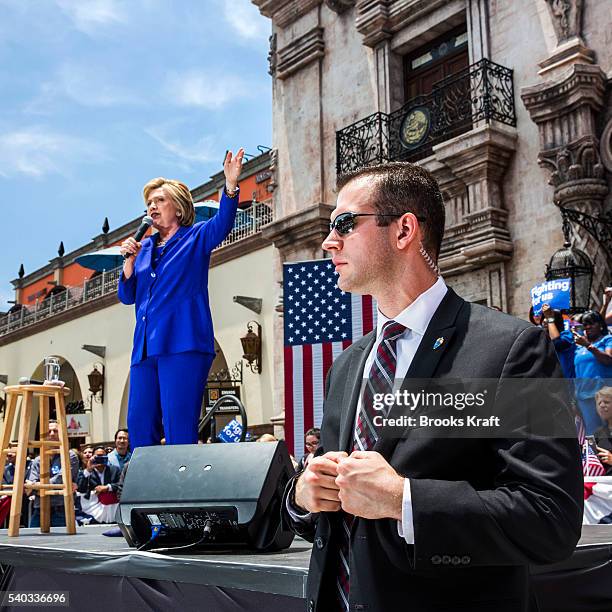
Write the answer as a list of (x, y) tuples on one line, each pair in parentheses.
[(507, 103)]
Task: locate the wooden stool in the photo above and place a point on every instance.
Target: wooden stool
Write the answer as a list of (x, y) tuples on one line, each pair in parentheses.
[(47, 449)]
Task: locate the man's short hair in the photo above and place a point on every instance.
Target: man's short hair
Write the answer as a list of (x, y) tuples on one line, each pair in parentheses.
[(99, 448), (313, 431), (401, 187), (119, 431)]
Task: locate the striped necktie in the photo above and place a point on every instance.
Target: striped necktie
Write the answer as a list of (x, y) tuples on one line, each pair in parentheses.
[(365, 436)]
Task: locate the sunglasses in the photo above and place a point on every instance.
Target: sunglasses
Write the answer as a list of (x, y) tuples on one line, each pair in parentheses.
[(344, 223)]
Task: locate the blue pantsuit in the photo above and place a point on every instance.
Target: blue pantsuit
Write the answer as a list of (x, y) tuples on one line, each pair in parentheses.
[(173, 338), (168, 387)]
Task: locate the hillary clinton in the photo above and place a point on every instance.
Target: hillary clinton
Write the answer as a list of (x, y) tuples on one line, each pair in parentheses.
[(166, 277)]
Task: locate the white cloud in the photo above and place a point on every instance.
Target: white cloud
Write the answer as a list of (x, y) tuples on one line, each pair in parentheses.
[(91, 86), (244, 18), (90, 15), (203, 151), (36, 152), (204, 90), (88, 86)]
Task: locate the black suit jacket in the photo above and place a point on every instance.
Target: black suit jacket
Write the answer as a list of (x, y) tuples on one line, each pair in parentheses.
[(483, 509), (86, 484)]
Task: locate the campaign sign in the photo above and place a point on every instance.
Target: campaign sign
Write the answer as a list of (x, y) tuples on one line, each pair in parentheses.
[(555, 293), (231, 432), (77, 425)]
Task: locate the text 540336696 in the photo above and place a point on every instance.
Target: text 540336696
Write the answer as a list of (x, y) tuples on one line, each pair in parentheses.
[(35, 598)]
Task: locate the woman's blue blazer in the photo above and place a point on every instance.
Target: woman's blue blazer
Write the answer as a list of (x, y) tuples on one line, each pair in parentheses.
[(172, 310)]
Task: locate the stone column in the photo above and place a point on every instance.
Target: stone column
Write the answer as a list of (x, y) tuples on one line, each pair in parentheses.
[(389, 88), (470, 170), (566, 111)]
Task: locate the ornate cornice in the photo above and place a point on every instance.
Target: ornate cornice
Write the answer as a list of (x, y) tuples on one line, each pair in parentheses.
[(584, 84), (285, 12), (373, 21), (403, 12), (565, 112), (481, 154), (299, 53), (377, 20), (470, 170), (305, 229), (339, 6)]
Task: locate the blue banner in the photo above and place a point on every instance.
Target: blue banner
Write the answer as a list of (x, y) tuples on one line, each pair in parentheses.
[(555, 293)]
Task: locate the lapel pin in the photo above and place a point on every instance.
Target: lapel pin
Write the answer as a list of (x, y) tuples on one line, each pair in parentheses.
[(438, 343)]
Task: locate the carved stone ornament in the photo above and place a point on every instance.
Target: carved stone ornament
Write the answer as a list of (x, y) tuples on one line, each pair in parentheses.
[(566, 17), (566, 112), (272, 57), (339, 6), (576, 162), (300, 52), (273, 183), (285, 12)]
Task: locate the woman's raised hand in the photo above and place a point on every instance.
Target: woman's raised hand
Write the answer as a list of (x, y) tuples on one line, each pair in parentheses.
[(232, 167)]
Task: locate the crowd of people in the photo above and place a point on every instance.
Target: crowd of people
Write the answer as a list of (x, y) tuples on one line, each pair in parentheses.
[(97, 478), (583, 344), (96, 473)]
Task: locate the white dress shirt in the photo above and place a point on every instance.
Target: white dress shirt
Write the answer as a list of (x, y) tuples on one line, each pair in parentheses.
[(416, 318)]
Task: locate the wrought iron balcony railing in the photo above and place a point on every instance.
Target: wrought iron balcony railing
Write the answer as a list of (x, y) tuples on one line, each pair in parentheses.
[(482, 92), (248, 222), (56, 303)]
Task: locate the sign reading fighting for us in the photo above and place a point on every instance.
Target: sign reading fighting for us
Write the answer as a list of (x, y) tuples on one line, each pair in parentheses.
[(231, 432), (555, 293)]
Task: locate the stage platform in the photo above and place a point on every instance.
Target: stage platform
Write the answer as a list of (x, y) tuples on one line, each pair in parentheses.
[(104, 573)]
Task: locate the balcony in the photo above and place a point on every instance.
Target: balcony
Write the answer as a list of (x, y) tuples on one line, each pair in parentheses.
[(248, 222), (483, 92)]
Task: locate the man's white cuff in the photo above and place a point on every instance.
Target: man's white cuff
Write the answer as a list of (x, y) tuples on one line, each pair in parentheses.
[(405, 527)]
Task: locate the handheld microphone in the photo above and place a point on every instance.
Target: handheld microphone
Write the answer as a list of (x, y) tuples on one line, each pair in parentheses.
[(147, 222)]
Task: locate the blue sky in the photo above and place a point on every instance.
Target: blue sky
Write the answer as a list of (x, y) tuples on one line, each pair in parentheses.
[(99, 96)]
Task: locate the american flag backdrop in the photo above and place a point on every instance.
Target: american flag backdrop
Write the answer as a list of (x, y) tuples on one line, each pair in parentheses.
[(320, 322)]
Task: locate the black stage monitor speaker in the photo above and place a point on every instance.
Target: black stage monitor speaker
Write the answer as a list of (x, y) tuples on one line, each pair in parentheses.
[(229, 492)]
